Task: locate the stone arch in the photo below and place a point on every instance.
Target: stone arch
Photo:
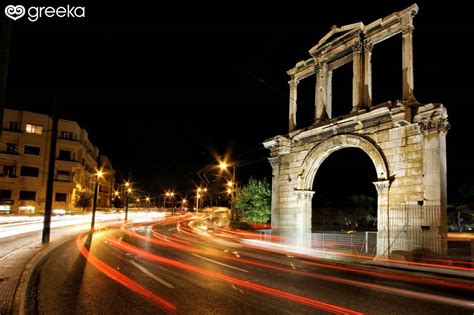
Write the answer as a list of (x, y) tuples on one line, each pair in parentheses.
[(318, 154)]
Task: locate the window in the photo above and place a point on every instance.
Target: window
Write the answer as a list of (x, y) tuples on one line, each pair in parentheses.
[(62, 176), (5, 194), (8, 171), (27, 195), (64, 155), (29, 149), (12, 148), (62, 197), (29, 171), (14, 126), (30, 128), (67, 135)]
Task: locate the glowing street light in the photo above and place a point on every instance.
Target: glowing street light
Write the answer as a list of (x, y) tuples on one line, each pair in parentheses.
[(127, 193), (224, 166)]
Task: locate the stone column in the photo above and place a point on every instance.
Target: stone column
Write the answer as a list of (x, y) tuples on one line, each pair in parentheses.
[(367, 86), (275, 163), (383, 218), (435, 182), (303, 217), (321, 76), (407, 62), (356, 77), (329, 93), (293, 103)]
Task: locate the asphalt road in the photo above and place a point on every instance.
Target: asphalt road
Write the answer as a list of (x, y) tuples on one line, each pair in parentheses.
[(176, 265)]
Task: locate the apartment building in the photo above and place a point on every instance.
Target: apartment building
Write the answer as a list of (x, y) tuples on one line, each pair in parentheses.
[(24, 154)]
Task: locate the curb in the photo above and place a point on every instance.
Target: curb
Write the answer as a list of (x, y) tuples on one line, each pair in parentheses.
[(19, 300)]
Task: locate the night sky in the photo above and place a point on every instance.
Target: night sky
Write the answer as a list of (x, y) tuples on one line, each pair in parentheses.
[(164, 89)]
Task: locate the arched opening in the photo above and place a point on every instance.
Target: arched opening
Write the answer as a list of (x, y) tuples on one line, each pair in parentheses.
[(345, 198)]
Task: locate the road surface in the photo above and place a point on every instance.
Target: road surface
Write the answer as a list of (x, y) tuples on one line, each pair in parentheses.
[(179, 264)]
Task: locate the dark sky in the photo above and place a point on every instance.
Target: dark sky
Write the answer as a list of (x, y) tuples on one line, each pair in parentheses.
[(163, 88)]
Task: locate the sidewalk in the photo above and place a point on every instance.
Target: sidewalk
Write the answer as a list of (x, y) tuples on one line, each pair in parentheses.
[(15, 267)]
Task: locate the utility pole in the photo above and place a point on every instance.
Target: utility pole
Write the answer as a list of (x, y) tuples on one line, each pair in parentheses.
[(126, 205), (232, 210), (96, 191), (5, 38), (50, 182), (128, 188)]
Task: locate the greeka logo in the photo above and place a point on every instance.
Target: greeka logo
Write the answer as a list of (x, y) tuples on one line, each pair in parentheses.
[(15, 12)]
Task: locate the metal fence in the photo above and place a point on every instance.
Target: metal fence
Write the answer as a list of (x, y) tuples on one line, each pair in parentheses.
[(358, 242)]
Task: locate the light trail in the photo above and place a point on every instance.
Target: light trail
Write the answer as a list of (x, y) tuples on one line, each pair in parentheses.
[(121, 278), (247, 284), (419, 280)]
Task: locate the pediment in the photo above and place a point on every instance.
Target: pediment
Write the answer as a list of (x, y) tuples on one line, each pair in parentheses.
[(336, 32)]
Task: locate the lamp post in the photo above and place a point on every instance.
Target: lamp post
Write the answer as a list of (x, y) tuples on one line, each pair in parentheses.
[(127, 192), (99, 175), (147, 202), (198, 195), (231, 188)]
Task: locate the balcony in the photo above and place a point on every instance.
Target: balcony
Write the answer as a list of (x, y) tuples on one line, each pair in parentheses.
[(15, 130), (67, 160), (8, 175), (10, 152), (63, 178), (67, 138)]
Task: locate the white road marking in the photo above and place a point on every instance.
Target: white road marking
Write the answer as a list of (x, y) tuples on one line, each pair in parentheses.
[(149, 274), (219, 263)]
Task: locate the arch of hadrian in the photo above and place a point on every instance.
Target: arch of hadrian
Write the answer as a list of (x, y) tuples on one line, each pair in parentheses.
[(406, 141)]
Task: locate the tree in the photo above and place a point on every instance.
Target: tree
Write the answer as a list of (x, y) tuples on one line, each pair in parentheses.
[(465, 205), (84, 200), (254, 199)]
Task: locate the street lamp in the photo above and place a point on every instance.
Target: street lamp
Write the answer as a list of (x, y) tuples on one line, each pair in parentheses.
[(128, 191), (231, 190), (148, 202), (99, 175)]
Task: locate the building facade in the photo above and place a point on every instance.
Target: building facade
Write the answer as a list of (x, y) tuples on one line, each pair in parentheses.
[(24, 155)]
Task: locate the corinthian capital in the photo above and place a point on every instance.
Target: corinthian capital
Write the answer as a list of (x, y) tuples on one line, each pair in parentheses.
[(407, 28), (293, 83), (382, 186)]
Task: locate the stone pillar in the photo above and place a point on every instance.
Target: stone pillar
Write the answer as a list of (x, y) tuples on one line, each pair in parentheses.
[(383, 218), (329, 93), (320, 112), (367, 86), (435, 182), (275, 163), (356, 77), (303, 217), (293, 103), (407, 62)]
